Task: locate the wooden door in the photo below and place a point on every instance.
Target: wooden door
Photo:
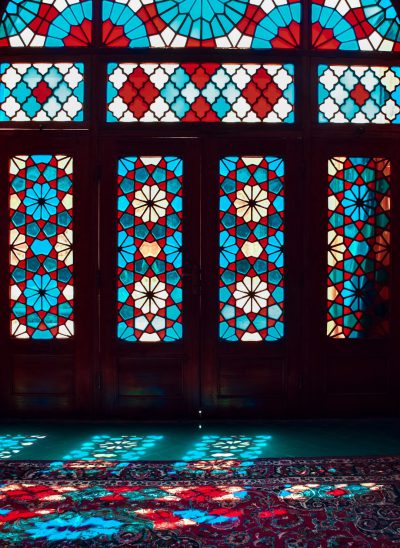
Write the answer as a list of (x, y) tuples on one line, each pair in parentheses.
[(353, 278), (149, 267), (47, 288), (252, 277)]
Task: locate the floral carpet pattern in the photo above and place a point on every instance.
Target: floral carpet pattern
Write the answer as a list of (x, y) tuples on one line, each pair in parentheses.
[(332, 502)]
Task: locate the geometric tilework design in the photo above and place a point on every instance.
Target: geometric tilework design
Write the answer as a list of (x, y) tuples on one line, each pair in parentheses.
[(251, 248), (46, 23), (105, 447), (206, 92), (41, 256), (355, 25), (150, 248), (41, 92), (358, 247), (196, 23), (359, 94)]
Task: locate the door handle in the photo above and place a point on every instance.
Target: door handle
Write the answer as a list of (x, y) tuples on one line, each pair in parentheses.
[(194, 274)]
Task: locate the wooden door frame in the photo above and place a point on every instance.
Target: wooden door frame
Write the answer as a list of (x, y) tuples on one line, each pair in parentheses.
[(321, 348), (71, 392), (111, 401)]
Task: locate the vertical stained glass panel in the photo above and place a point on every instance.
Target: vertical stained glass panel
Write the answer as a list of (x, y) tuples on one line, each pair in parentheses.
[(41, 257), (46, 23), (200, 92), (355, 25), (251, 248), (41, 92), (358, 94), (150, 248), (358, 247), (196, 23)]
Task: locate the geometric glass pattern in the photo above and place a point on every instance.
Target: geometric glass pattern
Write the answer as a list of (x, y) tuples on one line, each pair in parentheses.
[(200, 92), (41, 257), (358, 94), (150, 248), (355, 25), (196, 23), (358, 247), (10, 445), (251, 287), (107, 447), (41, 92), (46, 23)]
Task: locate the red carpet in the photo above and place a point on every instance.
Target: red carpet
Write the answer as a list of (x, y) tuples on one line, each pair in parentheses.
[(291, 503)]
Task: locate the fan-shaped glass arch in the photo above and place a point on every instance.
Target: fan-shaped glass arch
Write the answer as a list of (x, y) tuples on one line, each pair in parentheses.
[(364, 25), (40, 23), (202, 23)]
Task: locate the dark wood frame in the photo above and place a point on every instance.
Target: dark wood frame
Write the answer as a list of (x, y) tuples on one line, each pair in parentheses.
[(304, 143)]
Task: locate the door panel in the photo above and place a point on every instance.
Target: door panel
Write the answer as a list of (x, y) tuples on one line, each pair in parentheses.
[(352, 336), (149, 263), (46, 333), (249, 258)]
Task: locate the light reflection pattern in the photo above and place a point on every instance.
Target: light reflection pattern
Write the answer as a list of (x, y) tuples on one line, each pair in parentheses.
[(46, 23), (11, 445), (41, 254), (358, 247), (150, 216), (196, 23), (41, 92), (358, 94), (355, 25), (251, 258), (222, 454), (106, 447), (200, 92)]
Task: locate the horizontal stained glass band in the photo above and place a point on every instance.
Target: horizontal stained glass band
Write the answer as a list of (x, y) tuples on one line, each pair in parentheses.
[(206, 92), (41, 92), (358, 247), (150, 248), (359, 94), (41, 256), (44, 23), (196, 23), (251, 242), (355, 25)]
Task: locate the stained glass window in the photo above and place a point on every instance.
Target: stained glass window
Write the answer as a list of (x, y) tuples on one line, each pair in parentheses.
[(41, 257), (197, 23), (150, 248), (41, 92), (358, 247), (41, 23), (364, 25), (359, 94), (251, 248), (206, 92)]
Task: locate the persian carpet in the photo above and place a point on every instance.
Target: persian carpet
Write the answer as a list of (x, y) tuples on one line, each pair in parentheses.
[(291, 502)]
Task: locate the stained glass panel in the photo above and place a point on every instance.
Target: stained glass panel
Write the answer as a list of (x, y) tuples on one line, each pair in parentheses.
[(251, 248), (150, 248), (355, 25), (41, 257), (358, 247), (46, 23), (206, 92), (358, 94), (41, 92), (197, 23)]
